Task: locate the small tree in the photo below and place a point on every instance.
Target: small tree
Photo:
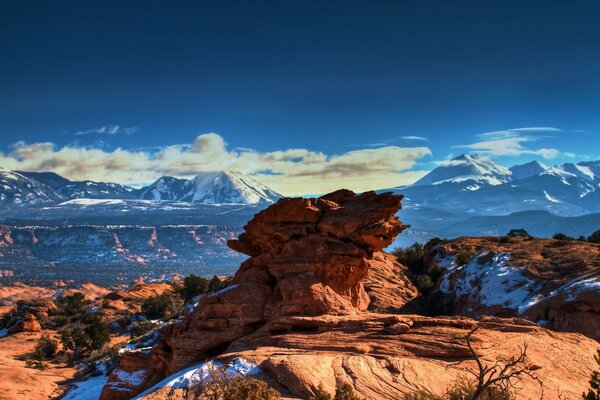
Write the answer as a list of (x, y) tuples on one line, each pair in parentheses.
[(98, 334), (46, 347), (518, 233), (193, 286), (594, 391), (411, 256), (463, 258), (216, 284), (561, 236), (73, 304), (594, 237), (320, 394), (505, 372), (164, 305), (345, 392)]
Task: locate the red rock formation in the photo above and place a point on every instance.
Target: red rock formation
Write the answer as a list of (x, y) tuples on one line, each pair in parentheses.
[(309, 257), (26, 324)]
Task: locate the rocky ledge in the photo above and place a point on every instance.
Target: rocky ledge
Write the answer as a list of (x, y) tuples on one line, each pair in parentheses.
[(299, 311)]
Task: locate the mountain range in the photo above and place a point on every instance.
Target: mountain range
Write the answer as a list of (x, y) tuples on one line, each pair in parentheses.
[(22, 189), (473, 195)]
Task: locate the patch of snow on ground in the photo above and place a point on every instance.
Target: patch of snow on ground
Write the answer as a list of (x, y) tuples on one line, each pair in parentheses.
[(201, 372), (220, 292), (87, 390), (3, 332), (493, 283)]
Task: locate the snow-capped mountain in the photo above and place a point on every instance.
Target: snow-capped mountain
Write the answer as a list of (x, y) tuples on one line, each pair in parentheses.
[(524, 171), (165, 188), (18, 190), (34, 188), (470, 170), (96, 190), (225, 187), (478, 186)]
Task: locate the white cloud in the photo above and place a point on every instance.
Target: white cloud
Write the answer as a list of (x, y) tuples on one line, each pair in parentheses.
[(109, 130), (290, 171), (419, 138), (511, 142)]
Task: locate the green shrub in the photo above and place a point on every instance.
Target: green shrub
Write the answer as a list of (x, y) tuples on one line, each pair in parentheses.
[(411, 256), (82, 340), (73, 304), (251, 389), (561, 236), (217, 284), (58, 321), (425, 284), (320, 394), (434, 242), (462, 258), (594, 391), (345, 392), (46, 347), (518, 233), (141, 328), (98, 334), (594, 237), (193, 286), (464, 389), (162, 306)]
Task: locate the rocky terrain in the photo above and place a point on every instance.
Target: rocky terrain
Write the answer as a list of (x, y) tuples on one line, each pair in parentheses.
[(110, 254), (297, 313), (555, 283)]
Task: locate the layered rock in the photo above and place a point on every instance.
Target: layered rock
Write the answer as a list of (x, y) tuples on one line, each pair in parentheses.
[(299, 310), (309, 257)]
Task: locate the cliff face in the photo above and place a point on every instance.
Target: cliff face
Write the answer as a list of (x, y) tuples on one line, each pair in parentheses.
[(299, 310), (309, 257), (99, 247)]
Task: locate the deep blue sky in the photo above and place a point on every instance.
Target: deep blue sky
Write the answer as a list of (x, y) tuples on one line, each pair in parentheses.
[(324, 75)]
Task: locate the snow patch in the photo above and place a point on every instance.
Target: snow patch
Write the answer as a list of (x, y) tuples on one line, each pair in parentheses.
[(201, 373), (492, 283), (87, 390)]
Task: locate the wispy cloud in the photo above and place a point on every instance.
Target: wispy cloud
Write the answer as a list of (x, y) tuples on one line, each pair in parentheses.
[(512, 142), (418, 138), (290, 171), (109, 130)]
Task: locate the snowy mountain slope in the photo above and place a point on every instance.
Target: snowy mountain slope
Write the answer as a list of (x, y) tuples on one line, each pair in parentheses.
[(18, 190), (96, 190), (470, 170), (524, 171), (165, 188), (51, 179), (227, 187)]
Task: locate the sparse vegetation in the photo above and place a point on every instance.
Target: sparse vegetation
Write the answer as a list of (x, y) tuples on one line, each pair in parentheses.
[(411, 256), (46, 347), (193, 286), (594, 237), (519, 233), (594, 392), (489, 382), (81, 341), (163, 306), (217, 284), (343, 392), (562, 236), (462, 258), (221, 386), (143, 327), (74, 304)]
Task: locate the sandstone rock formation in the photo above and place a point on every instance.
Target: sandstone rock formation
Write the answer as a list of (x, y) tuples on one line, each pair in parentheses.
[(298, 308), (28, 323), (309, 257)]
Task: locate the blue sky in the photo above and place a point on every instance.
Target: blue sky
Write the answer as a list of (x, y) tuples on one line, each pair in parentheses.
[(334, 79)]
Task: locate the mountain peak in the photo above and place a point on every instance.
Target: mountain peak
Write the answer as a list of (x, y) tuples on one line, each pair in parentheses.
[(473, 170), (524, 171)]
